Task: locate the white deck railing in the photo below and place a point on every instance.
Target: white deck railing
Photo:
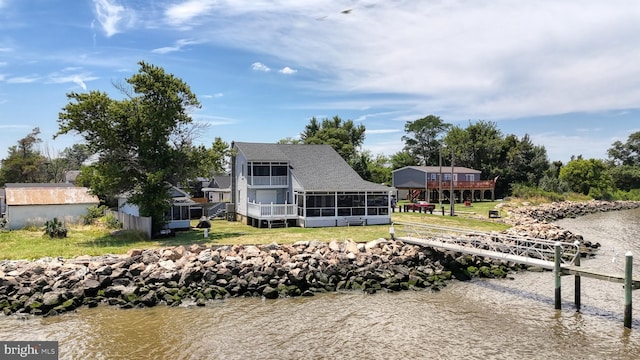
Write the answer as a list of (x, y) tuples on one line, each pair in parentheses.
[(268, 180), (261, 211)]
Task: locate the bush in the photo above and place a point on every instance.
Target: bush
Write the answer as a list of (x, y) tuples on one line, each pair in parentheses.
[(55, 228), (3, 224), (93, 213), (112, 221)]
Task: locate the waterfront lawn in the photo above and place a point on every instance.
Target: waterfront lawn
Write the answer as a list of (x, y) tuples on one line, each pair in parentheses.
[(95, 240)]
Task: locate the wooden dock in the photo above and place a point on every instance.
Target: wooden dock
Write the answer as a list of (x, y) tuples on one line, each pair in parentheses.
[(561, 258)]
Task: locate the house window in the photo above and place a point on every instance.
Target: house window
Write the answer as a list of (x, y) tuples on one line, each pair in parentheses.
[(447, 177), (278, 170), (321, 204)]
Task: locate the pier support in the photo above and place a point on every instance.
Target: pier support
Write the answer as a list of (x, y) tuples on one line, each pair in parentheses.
[(576, 295), (557, 272), (628, 287)]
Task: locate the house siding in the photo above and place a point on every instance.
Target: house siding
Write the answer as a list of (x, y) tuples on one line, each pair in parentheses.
[(21, 216)]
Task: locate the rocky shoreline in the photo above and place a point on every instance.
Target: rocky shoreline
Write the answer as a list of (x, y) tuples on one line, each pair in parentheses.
[(198, 274), (537, 221)]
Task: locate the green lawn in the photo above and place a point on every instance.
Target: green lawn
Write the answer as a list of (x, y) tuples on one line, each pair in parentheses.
[(85, 240)]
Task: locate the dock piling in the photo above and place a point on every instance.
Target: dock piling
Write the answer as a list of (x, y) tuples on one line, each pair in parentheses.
[(557, 272), (628, 287)]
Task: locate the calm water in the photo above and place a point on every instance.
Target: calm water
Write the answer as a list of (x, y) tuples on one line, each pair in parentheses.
[(497, 319)]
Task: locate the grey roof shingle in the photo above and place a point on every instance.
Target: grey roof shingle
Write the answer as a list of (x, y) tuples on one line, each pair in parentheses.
[(315, 167), (435, 169)]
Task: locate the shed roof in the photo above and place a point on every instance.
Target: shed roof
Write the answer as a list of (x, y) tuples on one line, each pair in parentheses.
[(31, 195), (316, 167)]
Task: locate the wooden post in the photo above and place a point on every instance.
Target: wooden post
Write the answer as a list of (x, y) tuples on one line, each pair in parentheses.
[(557, 270), (577, 279), (628, 287)]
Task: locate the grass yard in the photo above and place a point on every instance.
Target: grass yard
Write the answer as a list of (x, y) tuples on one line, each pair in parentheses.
[(97, 240)]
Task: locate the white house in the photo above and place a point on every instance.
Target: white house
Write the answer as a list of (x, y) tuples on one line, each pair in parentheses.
[(303, 185), (178, 217), (34, 204)]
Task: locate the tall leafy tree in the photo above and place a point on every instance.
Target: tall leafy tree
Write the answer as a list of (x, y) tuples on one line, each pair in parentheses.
[(24, 163), (402, 159), (344, 136), (587, 176), (477, 146), (627, 153), (133, 137), (424, 138)]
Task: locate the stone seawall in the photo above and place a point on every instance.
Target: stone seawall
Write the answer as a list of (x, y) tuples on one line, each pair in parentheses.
[(536, 221), (197, 274)]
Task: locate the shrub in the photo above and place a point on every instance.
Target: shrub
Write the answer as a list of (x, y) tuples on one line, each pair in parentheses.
[(55, 228), (112, 221), (3, 224), (93, 213)]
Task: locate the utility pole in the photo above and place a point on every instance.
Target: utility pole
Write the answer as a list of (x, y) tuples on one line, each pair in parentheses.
[(451, 195)]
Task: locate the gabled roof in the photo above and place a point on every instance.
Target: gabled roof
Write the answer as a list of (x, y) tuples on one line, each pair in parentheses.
[(316, 167), (221, 181), (49, 195), (445, 169)]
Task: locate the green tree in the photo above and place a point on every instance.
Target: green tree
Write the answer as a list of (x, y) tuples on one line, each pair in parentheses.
[(587, 177), (75, 156), (289, 140), (627, 153), (344, 136), (402, 159), (519, 162), (380, 170), (132, 137), (625, 177), (24, 163), (477, 146), (423, 139)]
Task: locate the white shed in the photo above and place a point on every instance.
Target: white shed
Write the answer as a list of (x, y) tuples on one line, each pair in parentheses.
[(34, 204)]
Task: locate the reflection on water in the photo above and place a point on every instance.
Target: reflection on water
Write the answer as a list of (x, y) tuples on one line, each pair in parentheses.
[(500, 319)]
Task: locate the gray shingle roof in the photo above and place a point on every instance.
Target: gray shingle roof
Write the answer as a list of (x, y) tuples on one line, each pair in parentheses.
[(315, 167), (435, 169)]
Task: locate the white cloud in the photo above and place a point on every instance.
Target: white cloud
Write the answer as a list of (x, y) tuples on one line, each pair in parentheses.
[(257, 66), (65, 76), (212, 96), (383, 131), (177, 47), (460, 60), (110, 15), (183, 13), (23, 79), (287, 70)]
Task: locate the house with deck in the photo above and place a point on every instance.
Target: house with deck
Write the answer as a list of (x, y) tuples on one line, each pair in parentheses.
[(430, 183), (302, 185)]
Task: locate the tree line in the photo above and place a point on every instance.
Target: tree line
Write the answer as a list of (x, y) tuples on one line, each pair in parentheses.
[(145, 142)]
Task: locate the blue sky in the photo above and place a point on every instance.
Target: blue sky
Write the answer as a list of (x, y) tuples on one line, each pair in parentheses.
[(565, 72)]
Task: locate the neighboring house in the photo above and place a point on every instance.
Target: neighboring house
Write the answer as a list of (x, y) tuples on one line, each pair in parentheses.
[(428, 182), (70, 176), (303, 185), (178, 217), (219, 189), (34, 204)]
